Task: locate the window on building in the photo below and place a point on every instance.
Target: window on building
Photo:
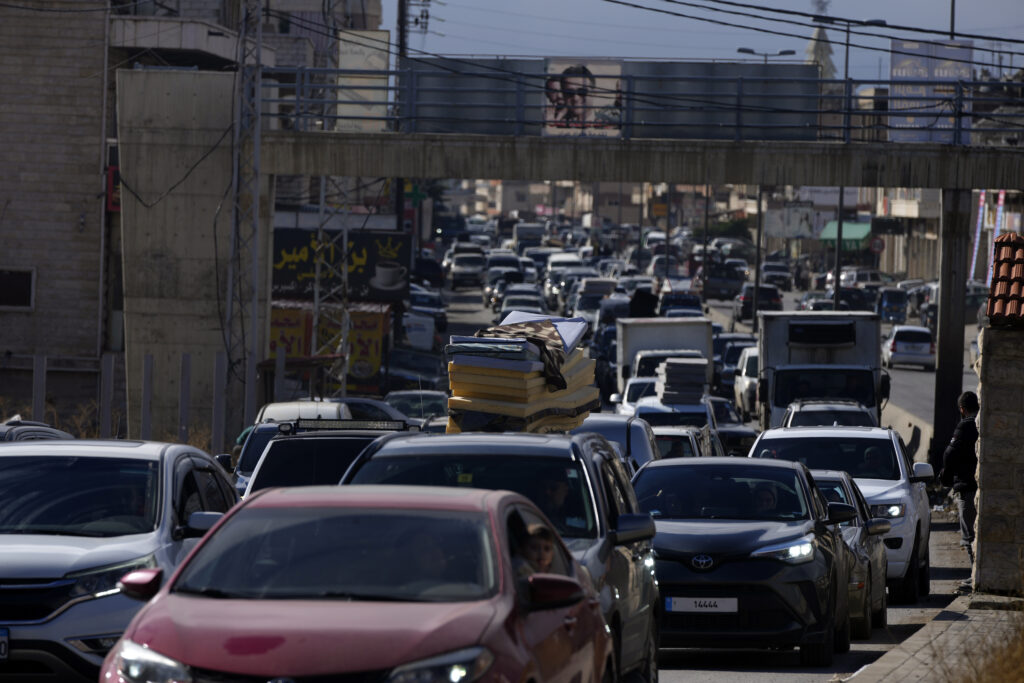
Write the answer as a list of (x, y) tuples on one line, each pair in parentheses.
[(17, 288)]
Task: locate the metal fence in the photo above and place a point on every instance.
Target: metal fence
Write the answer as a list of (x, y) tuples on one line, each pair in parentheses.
[(983, 113)]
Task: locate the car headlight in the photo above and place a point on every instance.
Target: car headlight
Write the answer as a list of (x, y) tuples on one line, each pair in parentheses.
[(888, 510), (137, 664), (797, 551), (103, 580), (461, 666)]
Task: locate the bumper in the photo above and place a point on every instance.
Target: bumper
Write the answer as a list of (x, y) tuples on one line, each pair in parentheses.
[(903, 358), (777, 604), (48, 650), (902, 535)]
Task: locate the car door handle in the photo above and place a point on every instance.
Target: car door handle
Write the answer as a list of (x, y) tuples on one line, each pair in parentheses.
[(569, 622)]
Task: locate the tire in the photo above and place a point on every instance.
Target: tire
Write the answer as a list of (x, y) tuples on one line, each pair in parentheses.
[(842, 635), (907, 590), (819, 654), (861, 628)]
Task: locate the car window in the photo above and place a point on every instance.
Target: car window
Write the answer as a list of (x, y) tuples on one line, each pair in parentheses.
[(913, 336), (672, 419), (189, 498), (834, 492), (368, 411), (699, 491), (842, 418), (557, 486), (78, 496), (307, 462), (637, 390), (675, 446), (862, 458), (211, 493), (345, 553), (724, 412), (533, 545), (253, 448), (751, 369)]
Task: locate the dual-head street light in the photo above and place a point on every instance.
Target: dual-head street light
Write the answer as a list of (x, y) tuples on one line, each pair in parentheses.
[(766, 55)]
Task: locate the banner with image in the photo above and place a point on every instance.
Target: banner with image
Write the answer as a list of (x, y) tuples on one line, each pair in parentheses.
[(583, 98)]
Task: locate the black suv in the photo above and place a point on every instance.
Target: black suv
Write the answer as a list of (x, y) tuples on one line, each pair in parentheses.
[(582, 487), (16, 429)]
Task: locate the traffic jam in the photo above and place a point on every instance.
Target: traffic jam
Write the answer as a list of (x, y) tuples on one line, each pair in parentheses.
[(617, 466)]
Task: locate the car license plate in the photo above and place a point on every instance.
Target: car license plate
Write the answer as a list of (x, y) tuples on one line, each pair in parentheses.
[(702, 604), (5, 642)]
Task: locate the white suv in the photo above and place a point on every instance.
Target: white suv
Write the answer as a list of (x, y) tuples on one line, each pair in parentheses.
[(892, 484)]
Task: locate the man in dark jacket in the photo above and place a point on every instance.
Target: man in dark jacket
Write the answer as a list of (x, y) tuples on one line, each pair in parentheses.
[(958, 465)]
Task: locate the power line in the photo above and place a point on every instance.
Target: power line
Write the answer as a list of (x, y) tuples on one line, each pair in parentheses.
[(64, 10)]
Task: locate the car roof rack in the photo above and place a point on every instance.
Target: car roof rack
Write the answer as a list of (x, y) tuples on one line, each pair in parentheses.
[(310, 424)]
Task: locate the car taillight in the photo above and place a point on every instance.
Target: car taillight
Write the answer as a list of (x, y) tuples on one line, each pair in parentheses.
[(892, 346), (932, 347), (776, 300), (743, 298)]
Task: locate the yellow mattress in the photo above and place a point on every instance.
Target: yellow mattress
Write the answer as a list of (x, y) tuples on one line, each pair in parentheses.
[(482, 387), (564, 401)]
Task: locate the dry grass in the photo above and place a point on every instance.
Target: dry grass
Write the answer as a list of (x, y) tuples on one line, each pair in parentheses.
[(998, 659)]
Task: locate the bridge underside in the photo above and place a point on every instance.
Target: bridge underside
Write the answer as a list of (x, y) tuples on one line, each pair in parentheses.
[(424, 155)]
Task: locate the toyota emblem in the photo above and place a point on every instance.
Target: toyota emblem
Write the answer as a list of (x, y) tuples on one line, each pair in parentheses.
[(702, 561)]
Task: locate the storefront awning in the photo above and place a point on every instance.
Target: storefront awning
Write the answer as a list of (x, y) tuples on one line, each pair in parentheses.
[(854, 234)]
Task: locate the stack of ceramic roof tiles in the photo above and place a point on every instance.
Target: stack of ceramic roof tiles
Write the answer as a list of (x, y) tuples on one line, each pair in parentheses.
[(681, 380), (492, 393), (1006, 297)]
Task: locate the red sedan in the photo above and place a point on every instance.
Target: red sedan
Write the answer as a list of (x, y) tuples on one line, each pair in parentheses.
[(396, 584)]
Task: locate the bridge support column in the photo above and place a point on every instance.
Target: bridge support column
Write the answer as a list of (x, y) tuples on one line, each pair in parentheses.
[(954, 250)]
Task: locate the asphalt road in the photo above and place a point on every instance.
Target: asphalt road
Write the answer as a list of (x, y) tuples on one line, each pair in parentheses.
[(913, 390)]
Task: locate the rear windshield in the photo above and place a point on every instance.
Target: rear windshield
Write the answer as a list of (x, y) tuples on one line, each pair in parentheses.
[(824, 418), (469, 261), (667, 419), (850, 385), (307, 462), (675, 446), (862, 458), (637, 390), (253, 449), (732, 353), (558, 487), (914, 337), (700, 491)]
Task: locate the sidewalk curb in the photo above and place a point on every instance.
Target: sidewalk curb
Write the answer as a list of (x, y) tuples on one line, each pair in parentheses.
[(914, 659)]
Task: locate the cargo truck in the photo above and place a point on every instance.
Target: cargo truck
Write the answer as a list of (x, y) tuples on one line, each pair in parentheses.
[(819, 355), (641, 334), (525, 235)]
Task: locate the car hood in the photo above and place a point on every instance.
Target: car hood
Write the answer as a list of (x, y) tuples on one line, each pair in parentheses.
[(303, 637), (881, 490), (38, 556), (722, 537)]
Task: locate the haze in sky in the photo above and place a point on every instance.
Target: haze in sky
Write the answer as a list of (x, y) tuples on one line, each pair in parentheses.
[(708, 30)]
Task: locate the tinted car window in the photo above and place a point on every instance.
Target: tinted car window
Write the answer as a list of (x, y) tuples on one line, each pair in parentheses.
[(519, 474), (862, 458), (843, 418), (211, 492), (751, 370), (323, 553), (637, 390), (677, 446), (78, 496), (913, 337), (253, 448), (469, 261), (305, 462), (674, 419), (732, 353), (851, 385), (720, 492)]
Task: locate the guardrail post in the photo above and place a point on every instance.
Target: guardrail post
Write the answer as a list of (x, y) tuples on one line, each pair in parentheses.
[(738, 134), (847, 91), (627, 124)]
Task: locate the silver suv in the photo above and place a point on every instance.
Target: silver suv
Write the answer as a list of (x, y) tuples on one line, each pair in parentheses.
[(892, 484), (77, 515)]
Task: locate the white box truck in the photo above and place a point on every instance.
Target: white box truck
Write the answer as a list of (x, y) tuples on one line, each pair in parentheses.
[(641, 334), (819, 355)]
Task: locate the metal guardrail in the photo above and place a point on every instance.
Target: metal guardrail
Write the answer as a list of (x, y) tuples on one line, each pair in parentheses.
[(981, 113)]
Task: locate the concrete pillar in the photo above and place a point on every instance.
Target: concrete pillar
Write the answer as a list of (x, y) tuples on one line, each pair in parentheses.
[(954, 252), (999, 545)]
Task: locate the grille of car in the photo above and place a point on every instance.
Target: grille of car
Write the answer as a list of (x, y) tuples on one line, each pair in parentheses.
[(32, 599), (210, 676), (759, 620)]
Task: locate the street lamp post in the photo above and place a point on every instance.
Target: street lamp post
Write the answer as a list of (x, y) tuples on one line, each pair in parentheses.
[(837, 270), (766, 55)]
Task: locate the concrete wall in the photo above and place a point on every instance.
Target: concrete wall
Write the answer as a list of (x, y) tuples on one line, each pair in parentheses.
[(174, 127), (51, 177), (1000, 528)]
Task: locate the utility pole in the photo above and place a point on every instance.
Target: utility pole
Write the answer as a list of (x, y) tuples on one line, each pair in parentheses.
[(403, 51), (704, 255), (757, 257)]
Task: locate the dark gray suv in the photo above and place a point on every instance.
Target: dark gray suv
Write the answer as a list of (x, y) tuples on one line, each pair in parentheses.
[(582, 487)]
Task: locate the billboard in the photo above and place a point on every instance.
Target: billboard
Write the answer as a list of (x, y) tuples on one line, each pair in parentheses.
[(583, 99), (922, 101), (793, 221), (363, 98), (377, 264)]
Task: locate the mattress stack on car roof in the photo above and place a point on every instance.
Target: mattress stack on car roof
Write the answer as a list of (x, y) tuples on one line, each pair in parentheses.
[(681, 380), (527, 374)]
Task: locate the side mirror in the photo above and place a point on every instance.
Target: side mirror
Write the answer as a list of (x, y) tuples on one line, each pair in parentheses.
[(224, 460), (923, 472), (615, 398), (632, 528), (841, 512), (550, 591), (886, 385), (141, 584), (877, 527), (198, 524)]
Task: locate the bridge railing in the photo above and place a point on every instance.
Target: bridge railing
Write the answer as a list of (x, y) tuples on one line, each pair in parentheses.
[(981, 113)]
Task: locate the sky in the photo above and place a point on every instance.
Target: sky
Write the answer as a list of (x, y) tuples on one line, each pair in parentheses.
[(602, 28)]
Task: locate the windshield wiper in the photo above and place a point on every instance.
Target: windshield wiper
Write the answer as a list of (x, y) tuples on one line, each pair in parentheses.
[(210, 593), (367, 597)]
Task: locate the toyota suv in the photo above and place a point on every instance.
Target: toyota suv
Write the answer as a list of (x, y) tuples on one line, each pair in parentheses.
[(892, 484), (579, 483)]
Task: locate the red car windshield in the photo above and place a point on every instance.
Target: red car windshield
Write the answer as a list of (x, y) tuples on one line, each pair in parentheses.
[(309, 553)]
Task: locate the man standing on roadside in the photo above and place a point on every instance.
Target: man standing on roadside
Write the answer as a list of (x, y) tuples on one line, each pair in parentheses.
[(958, 465)]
